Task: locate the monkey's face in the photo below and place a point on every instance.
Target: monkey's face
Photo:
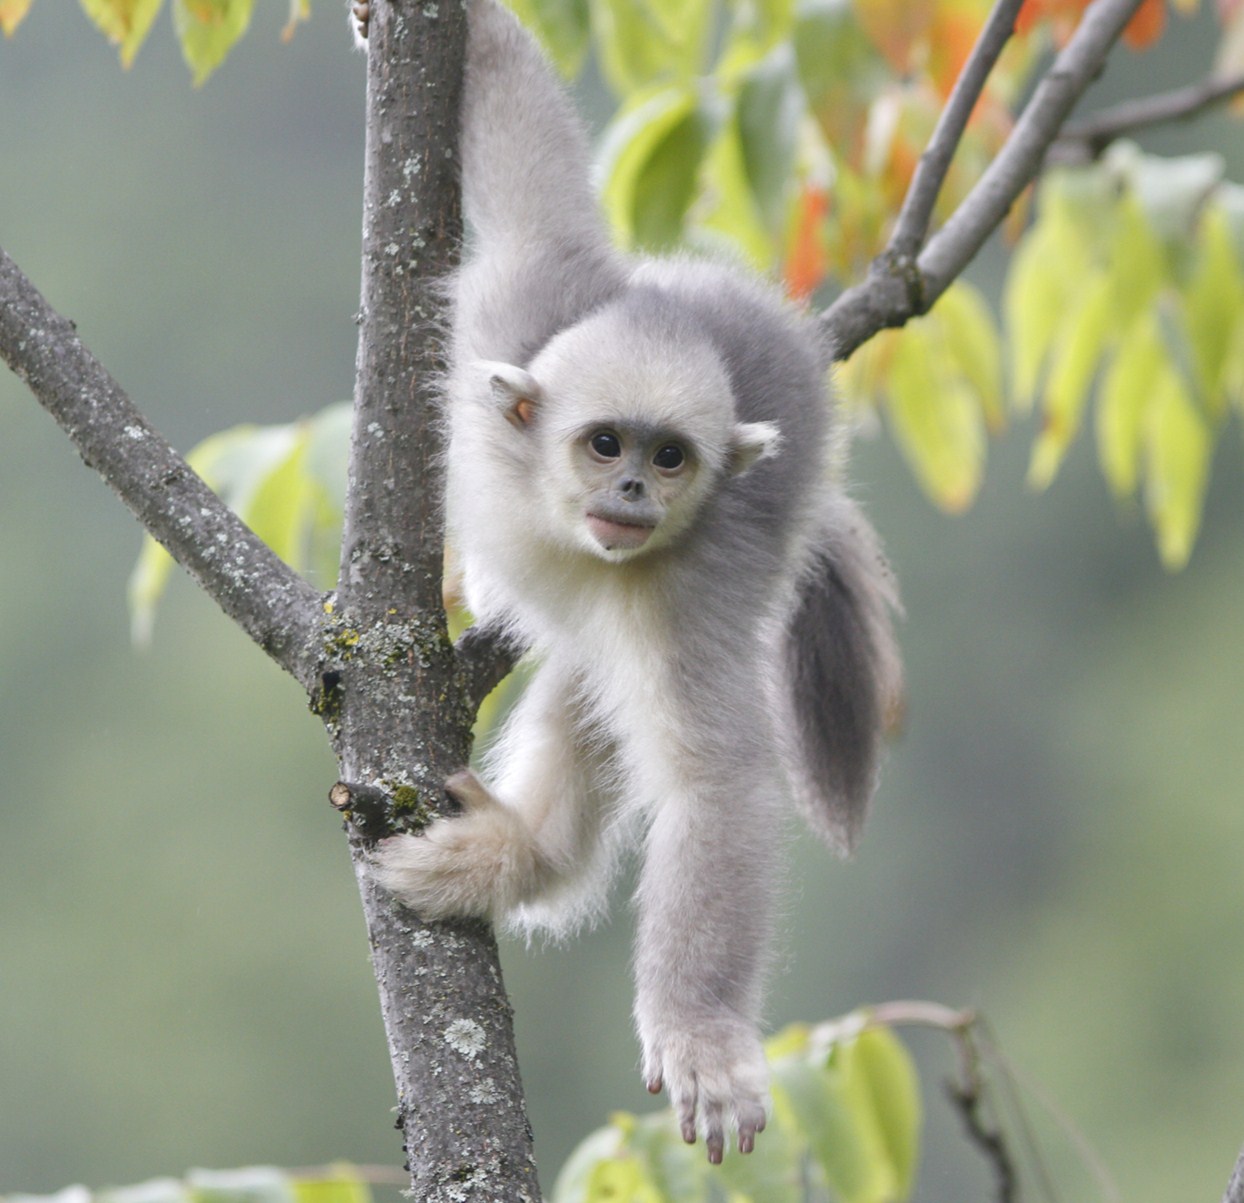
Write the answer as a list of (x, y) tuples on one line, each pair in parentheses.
[(636, 485)]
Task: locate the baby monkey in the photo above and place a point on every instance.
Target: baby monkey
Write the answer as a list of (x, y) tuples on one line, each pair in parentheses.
[(640, 462)]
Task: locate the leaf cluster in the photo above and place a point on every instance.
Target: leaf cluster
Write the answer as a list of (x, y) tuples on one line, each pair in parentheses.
[(1126, 297), (846, 1119), (255, 1184)]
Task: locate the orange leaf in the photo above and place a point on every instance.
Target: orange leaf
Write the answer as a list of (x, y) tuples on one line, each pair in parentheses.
[(806, 262), (898, 28), (11, 14), (1146, 26), (954, 35)]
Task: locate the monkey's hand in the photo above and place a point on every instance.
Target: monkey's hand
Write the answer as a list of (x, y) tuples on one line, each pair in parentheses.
[(716, 1076), (481, 862)]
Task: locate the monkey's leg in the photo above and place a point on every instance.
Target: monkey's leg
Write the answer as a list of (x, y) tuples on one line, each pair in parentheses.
[(705, 903), (517, 842)]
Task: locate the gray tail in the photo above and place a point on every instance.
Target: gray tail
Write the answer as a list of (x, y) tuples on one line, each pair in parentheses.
[(845, 676)]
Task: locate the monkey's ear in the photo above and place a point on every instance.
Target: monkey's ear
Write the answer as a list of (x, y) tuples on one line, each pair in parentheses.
[(749, 442), (515, 390)]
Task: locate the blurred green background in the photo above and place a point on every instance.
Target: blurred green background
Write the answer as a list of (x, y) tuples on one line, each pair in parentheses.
[(1058, 839)]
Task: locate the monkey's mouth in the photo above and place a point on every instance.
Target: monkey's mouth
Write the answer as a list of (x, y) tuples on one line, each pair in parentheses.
[(615, 536)]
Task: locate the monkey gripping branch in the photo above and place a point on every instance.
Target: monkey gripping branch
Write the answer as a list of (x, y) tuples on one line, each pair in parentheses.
[(396, 698)]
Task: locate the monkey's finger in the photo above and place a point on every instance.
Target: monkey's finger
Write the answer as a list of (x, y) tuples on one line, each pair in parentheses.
[(714, 1130), (750, 1120), (684, 1103), (465, 788)]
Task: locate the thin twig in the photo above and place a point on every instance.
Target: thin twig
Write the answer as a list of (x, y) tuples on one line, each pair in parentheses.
[(952, 248), (896, 292), (913, 220), (989, 1140), (1083, 141), (271, 602)]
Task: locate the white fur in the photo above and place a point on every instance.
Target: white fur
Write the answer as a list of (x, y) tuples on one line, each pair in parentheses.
[(666, 663)]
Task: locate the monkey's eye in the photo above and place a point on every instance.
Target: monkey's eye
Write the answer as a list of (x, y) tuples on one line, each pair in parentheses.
[(605, 445), (669, 458)]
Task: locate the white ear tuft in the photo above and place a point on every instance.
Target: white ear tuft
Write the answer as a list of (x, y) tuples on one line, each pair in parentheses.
[(516, 391), (752, 441)]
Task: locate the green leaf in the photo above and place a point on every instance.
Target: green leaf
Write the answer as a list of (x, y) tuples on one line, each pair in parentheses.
[(1079, 349), (158, 1190), (124, 22), (256, 1184), (839, 69), (769, 107), (1037, 287), (884, 1081), (763, 22), (563, 27), (966, 325), (1178, 447), (644, 42), (650, 162), (1122, 402), (727, 207), (572, 1181), (287, 482), (342, 1184), (814, 1100), (1170, 190), (935, 418), (207, 30), (1214, 302), (1138, 266)]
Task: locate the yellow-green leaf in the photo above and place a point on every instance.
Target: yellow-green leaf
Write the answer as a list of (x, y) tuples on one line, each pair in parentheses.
[(935, 419), (884, 1080), (768, 110), (1138, 266), (1214, 300), (1178, 445), (644, 42), (342, 1184), (1037, 286), (563, 27), (727, 207), (207, 30), (1123, 400), (124, 22), (971, 338), (814, 1098), (650, 161), (11, 14), (1078, 351)]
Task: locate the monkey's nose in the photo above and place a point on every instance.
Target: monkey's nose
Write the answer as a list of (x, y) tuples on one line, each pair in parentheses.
[(631, 488)]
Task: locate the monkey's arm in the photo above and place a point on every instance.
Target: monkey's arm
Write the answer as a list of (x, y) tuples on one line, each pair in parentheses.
[(533, 841), (705, 906), (539, 256)]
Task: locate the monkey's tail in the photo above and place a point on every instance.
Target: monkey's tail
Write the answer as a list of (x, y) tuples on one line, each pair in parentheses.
[(845, 676)]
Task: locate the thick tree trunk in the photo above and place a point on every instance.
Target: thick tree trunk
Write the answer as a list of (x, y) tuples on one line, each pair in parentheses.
[(395, 695)]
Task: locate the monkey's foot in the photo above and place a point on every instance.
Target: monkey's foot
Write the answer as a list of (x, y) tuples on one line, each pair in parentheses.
[(481, 862), (716, 1077)]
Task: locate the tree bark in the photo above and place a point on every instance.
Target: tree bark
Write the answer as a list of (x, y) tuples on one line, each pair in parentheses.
[(395, 696)]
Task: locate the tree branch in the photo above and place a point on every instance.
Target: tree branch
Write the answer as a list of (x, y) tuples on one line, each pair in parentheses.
[(265, 597), (487, 658), (912, 225), (895, 292), (402, 713), (1083, 141)]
